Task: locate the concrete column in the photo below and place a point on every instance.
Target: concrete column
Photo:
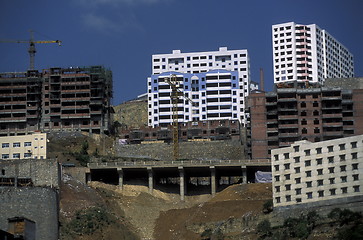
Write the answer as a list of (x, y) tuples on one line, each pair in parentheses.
[(213, 181), (244, 174), (182, 183), (151, 179), (88, 177), (120, 178)]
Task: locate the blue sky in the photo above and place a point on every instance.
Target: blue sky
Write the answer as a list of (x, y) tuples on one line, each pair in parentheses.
[(123, 34)]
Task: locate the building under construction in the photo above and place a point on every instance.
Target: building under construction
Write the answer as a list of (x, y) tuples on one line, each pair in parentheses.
[(56, 99), (289, 114)]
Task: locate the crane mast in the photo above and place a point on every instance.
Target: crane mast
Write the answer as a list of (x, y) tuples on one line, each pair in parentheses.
[(175, 93)]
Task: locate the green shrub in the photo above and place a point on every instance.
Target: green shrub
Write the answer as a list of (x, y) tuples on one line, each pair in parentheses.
[(264, 228), (88, 221), (268, 206)]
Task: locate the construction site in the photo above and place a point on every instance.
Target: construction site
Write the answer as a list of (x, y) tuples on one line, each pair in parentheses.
[(56, 99)]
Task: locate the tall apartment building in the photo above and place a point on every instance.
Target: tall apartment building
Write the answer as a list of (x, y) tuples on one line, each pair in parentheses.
[(280, 118), (328, 172), (56, 99), (214, 95), (308, 53), (199, 63)]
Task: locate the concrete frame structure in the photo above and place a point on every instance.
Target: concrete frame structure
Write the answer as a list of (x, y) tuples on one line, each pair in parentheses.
[(309, 172), (280, 118), (33, 146), (151, 174), (308, 53), (57, 99), (202, 62)]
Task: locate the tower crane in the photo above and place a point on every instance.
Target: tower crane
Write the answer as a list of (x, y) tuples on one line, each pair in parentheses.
[(175, 94), (32, 43)]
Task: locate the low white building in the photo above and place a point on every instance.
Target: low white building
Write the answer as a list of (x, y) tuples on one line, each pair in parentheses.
[(309, 172), (33, 146)]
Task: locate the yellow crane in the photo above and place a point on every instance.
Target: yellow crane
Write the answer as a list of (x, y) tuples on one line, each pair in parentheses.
[(31, 43), (175, 94)]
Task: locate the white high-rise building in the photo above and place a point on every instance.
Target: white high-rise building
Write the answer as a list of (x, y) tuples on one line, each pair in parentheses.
[(308, 53), (200, 63)]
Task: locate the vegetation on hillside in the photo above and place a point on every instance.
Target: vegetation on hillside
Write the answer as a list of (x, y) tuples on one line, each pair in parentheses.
[(348, 225)]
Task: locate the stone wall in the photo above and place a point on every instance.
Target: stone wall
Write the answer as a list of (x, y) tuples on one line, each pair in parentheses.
[(38, 204), (221, 150), (323, 208), (43, 172)]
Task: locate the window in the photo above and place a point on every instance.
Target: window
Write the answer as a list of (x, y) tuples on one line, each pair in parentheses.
[(297, 159), (297, 180), (277, 188), (342, 146), (287, 176), (331, 159), (320, 171), (276, 157), (5, 156), (354, 144), (342, 157), (332, 191), (331, 170), (355, 177), (354, 155), (344, 190), (355, 166), (318, 150), (278, 199), (288, 198), (319, 161), (277, 167), (277, 178), (286, 155), (321, 193), (287, 166), (343, 168), (330, 148), (16, 155), (332, 180), (307, 152), (5, 145), (343, 179), (296, 148), (288, 187), (297, 170), (308, 173), (309, 195), (16, 144), (27, 155), (307, 163), (309, 184), (356, 188), (320, 182), (298, 191)]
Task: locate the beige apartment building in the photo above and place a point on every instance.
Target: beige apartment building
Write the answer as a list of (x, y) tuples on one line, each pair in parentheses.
[(309, 172), (32, 146)]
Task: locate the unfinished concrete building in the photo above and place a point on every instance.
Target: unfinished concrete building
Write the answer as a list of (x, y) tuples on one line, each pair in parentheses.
[(56, 99), (280, 118)]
